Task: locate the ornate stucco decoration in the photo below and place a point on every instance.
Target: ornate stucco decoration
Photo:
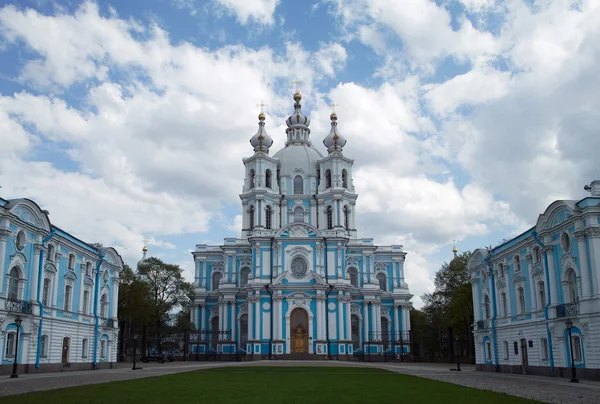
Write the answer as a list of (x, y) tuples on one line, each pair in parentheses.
[(537, 272), (355, 309), (245, 260), (217, 265), (298, 231), (518, 277), (243, 309), (385, 312), (501, 284), (352, 261), (593, 232), (381, 266), (568, 261), (299, 251), (299, 298), (27, 216)]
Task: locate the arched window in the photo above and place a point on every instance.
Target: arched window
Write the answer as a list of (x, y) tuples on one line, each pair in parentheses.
[(517, 261), (488, 351), (84, 348), (503, 304), (71, 261), (68, 295), (46, 292), (572, 286), (244, 275), (86, 298), (346, 215), (14, 284), (298, 214), (577, 356), (214, 331), (298, 185), (88, 269), (500, 270), (385, 333), (50, 255), (251, 217), (268, 181), (216, 278), (104, 306), (11, 342), (21, 240), (355, 328), (382, 279), (486, 307), (521, 295), (353, 275), (541, 294), (329, 217), (243, 331), (328, 178), (268, 217), (251, 177), (103, 349)]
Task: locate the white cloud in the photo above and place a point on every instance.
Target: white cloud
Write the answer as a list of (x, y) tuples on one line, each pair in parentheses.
[(260, 11), (331, 58)]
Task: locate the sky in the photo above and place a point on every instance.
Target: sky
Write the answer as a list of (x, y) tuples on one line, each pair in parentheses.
[(128, 120)]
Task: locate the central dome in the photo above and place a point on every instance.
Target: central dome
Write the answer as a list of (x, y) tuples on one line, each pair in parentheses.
[(298, 156)]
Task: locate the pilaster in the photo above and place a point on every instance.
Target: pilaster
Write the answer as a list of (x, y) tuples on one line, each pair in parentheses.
[(586, 285), (4, 233), (553, 288)]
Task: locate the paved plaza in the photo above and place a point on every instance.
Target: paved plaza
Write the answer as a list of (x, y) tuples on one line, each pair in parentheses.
[(546, 389)]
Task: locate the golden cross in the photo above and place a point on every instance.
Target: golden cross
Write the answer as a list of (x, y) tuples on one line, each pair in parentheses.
[(333, 106), (145, 241), (262, 105), (297, 83)]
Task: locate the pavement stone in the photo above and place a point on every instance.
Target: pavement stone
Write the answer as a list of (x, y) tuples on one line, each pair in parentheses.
[(545, 389)]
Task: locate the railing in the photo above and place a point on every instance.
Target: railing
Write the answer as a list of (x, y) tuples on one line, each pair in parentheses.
[(19, 306), (567, 310), (107, 322)]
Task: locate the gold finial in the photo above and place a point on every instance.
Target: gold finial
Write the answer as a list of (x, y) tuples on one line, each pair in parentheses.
[(145, 248), (454, 249), (262, 106), (333, 115)]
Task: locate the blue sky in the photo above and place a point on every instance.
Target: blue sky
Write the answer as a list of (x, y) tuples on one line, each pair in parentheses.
[(465, 118)]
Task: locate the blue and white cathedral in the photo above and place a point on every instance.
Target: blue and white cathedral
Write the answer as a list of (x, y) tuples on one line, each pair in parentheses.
[(298, 280)]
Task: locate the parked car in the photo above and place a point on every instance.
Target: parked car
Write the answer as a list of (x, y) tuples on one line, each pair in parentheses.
[(160, 358)]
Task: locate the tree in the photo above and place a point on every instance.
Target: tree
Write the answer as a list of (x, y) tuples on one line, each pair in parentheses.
[(168, 292), (450, 307)]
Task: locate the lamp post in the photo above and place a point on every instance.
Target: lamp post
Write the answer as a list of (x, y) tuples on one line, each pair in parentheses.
[(329, 290), (574, 378), (135, 337), (457, 354), (18, 323)]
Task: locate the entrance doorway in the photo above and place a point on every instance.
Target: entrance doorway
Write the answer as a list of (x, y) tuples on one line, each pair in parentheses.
[(524, 359), (65, 350), (299, 331)]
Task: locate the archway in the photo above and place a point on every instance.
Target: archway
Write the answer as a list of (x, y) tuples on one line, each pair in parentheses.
[(66, 347), (299, 331)]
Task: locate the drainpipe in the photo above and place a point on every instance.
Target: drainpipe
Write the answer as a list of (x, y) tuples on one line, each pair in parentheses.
[(317, 209), (97, 283), (268, 289), (550, 355), (39, 300), (487, 260), (329, 289)]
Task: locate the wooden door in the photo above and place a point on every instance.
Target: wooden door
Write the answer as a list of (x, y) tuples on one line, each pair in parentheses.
[(65, 350), (299, 331), (524, 358)]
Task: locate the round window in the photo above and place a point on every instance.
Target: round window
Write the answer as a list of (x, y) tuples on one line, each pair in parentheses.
[(298, 267)]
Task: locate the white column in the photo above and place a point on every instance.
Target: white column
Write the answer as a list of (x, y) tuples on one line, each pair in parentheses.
[(476, 300), (250, 319), (4, 233), (378, 313), (552, 275), (203, 320), (583, 265), (193, 316), (407, 318), (196, 272), (366, 320), (258, 318), (398, 327), (220, 315), (37, 248), (365, 269), (532, 294), (593, 235), (374, 321), (348, 319), (114, 304), (340, 316), (234, 320)]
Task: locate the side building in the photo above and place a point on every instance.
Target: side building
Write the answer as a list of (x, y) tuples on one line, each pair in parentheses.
[(63, 291), (536, 297)]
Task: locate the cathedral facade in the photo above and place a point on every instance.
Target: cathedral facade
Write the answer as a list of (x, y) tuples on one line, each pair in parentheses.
[(298, 280)]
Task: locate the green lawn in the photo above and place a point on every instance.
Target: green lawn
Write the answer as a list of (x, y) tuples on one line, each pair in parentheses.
[(288, 385)]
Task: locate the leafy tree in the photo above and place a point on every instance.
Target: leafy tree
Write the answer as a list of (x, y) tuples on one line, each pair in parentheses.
[(168, 292)]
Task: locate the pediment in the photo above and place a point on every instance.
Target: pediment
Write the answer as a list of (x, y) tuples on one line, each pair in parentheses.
[(518, 278), (71, 275), (298, 230), (50, 268), (88, 281)]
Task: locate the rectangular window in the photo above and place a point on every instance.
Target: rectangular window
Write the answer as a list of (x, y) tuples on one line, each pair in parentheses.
[(67, 304), (44, 346), (488, 351), (542, 294), (11, 339), (577, 357), (521, 293), (505, 349), (86, 297), (503, 303), (84, 348), (103, 349), (46, 292), (544, 346)]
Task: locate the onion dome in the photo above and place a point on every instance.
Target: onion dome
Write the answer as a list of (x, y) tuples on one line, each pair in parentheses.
[(144, 258), (297, 119), (261, 141), (334, 141)]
